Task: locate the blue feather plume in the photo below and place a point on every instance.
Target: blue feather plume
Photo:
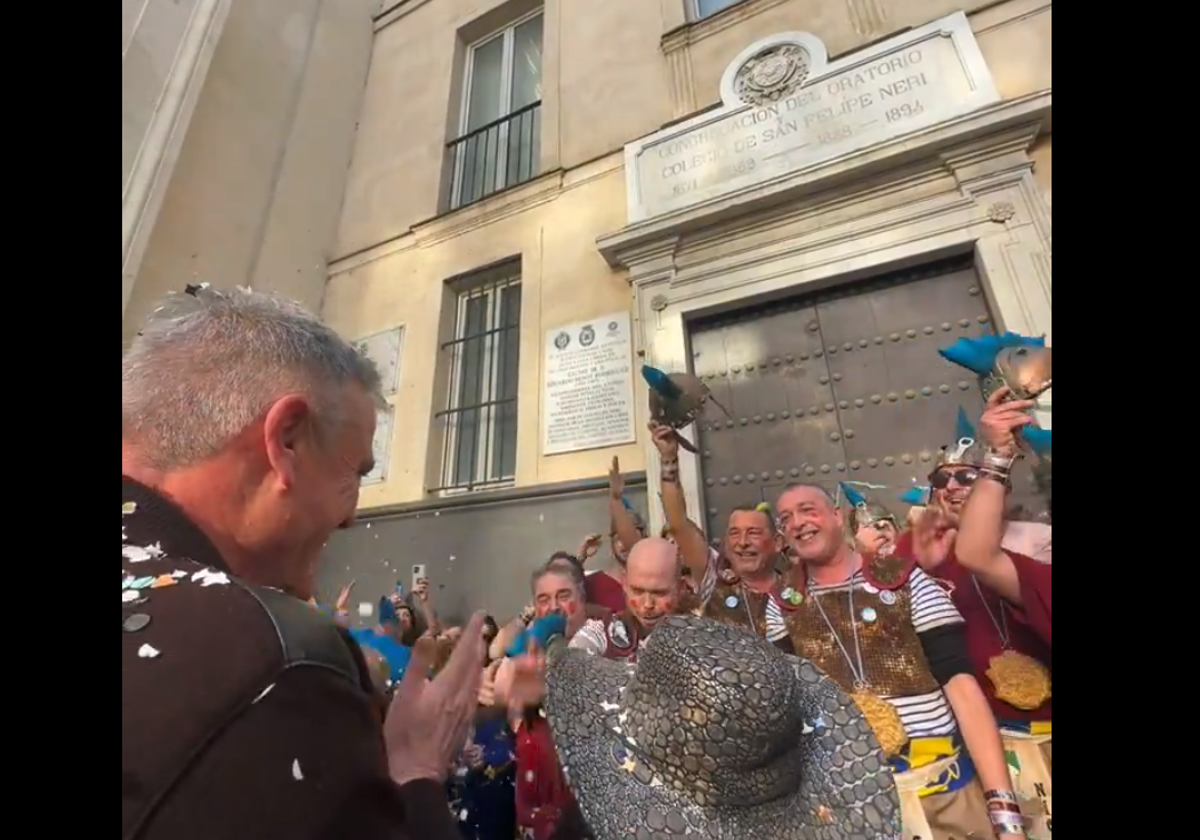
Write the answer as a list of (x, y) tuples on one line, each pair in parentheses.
[(628, 505), (852, 496), (1037, 438), (387, 612), (963, 427), (661, 383), (918, 495), (540, 631), (979, 354)]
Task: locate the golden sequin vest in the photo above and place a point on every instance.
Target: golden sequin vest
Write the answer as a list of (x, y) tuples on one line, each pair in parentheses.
[(893, 660), (745, 603)]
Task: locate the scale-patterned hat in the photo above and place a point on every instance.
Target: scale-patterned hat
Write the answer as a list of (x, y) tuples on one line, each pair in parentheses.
[(714, 733)]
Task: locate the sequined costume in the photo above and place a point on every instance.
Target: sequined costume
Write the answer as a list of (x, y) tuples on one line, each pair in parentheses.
[(713, 735), (876, 636)]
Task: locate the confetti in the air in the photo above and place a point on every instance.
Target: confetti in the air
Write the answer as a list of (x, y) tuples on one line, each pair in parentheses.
[(148, 651), (128, 508), (297, 773), (129, 595), (263, 693)]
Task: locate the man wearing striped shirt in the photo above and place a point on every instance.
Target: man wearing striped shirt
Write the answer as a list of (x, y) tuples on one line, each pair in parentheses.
[(891, 636)]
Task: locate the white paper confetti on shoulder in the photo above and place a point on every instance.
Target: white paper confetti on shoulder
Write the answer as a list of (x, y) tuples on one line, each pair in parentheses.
[(148, 651), (135, 553), (208, 577), (297, 773), (129, 595), (262, 694)]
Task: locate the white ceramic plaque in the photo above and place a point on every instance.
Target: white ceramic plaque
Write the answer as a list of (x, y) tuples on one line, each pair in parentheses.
[(588, 400)]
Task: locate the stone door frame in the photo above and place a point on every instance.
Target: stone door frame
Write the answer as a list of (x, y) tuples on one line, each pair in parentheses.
[(964, 186)]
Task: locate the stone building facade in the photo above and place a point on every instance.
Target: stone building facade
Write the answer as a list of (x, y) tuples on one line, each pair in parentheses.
[(798, 200)]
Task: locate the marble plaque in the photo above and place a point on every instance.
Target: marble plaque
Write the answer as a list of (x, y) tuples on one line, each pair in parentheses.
[(786, 108), (381, 446), (383, 348), (588, 399)]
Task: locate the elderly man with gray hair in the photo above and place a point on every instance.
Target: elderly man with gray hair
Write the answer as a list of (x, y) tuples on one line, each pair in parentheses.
[(247, 425)]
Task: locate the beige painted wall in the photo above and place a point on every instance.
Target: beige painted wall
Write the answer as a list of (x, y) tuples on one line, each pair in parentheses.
[(612, 72), (255, 194)]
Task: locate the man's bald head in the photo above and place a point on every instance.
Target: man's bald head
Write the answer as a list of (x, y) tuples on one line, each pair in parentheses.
[(655, 553), (652, 579)]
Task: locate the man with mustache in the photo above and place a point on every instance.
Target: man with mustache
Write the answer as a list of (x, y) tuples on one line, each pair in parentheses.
[(1003, 596), (746, 594)]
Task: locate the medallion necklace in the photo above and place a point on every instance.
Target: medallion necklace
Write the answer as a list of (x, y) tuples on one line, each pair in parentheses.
[(1017, 679), (880, 715)]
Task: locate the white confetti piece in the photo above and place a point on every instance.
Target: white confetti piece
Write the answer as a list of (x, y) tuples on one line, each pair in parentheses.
[(463, 814), (297, 773), (366, 609), (608, 707), (208, 577), (124, 536), (135, 553), (178, 573), (128, 508), (262, 694), (148, 651), (129, 595)]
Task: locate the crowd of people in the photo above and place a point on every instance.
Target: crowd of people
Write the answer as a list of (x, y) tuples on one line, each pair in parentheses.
[(823, 668)]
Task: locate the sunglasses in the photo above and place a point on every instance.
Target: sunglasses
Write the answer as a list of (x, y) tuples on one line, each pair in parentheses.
[(941, 480)]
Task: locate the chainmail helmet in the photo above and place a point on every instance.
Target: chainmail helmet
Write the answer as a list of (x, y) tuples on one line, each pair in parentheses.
[(714, 733)]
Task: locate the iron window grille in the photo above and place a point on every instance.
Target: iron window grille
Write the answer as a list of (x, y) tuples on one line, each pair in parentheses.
[(480, 418)]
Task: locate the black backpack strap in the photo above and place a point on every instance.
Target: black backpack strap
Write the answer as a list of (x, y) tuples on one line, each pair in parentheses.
[(306, 635)]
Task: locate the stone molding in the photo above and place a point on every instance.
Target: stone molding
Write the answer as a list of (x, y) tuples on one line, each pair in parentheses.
[(963, 187)]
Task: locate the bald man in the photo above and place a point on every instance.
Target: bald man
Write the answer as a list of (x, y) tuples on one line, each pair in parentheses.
[(653, 590)]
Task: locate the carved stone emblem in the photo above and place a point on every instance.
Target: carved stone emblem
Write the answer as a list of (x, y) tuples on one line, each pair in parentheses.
[(772, 74), (658, 303), (1001, 211)]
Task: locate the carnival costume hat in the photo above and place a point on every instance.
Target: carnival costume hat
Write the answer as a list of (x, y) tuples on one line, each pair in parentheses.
[(1016, 361), (714, 733), (863, 512), (965, 451)]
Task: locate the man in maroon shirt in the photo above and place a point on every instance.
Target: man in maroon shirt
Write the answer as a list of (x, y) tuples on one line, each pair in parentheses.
[(1003, 596)]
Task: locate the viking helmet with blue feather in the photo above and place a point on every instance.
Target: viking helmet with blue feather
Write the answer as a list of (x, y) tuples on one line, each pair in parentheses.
[(1017, 361), (864, 512), (965, 449)]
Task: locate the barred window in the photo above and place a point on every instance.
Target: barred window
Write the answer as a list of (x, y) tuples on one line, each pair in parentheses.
[(481, 413)]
